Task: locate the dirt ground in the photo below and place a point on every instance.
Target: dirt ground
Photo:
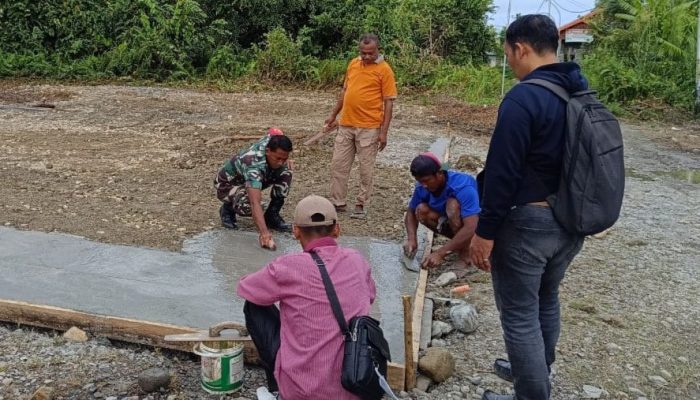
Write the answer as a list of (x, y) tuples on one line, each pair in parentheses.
[(134, 165)]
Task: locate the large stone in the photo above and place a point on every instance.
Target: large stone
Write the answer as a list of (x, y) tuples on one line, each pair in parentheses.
[(445, 278), (439, 329), (151, 380), (437, 364), (464, 318), (76, 335), (43, 393)]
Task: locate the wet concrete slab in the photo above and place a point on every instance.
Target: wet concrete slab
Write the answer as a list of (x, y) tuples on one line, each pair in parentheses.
[(195, 287)]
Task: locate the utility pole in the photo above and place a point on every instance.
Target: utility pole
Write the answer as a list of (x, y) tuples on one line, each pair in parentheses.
[(697, 68), (549, 9), (503, 74)]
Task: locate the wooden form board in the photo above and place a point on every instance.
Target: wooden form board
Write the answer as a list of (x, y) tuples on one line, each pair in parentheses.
[(130, 330), (117, 328)]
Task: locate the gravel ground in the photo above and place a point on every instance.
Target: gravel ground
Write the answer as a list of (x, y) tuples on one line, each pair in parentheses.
[(630, 306)]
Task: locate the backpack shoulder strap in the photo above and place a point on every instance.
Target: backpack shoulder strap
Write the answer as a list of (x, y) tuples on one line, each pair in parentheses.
[(553, 87), (330, 292)]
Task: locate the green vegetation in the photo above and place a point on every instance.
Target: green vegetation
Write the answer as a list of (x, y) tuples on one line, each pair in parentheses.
[(432, 44), (643, 58)]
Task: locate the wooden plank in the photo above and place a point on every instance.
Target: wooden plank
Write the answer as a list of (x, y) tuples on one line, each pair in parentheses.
[(408, 342), (426, 325), (131, 330), (315, 138), (395, 376), (124, 329)]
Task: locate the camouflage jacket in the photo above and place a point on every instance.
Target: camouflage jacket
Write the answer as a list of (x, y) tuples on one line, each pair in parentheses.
[(249, 167)]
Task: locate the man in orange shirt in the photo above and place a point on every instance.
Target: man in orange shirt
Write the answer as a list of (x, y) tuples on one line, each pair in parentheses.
[(366, 103)]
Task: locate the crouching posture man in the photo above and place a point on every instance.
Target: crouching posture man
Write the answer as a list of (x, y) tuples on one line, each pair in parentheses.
[(301, 341), (240, 182), (446, 202)]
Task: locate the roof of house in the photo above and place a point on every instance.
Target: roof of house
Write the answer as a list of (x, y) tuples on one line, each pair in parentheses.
[(578, 21)]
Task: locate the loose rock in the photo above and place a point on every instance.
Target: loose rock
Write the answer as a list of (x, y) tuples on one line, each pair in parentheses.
[(76, 335), (423, 383), (446, 278), (438, 364), (612, 348), (657, 381), (465, 318), (440, 329), (151, 380), (592, 392), (43, 393)]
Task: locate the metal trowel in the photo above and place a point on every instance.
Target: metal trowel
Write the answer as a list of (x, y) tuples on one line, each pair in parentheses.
[(410, 263)]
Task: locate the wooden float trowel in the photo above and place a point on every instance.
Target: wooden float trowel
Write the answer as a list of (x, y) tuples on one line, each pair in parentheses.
[(215, 333)]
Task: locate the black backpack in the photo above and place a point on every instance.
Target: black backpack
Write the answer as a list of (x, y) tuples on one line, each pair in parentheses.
[(592, 181)]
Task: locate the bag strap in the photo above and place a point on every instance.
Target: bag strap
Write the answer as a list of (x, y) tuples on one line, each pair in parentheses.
[(330, 292), (553, 87)]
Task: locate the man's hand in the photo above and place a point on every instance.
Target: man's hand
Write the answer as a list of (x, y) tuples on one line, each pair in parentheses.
[(410, 246), (480, 250), (330, 122), (381, 141), (290, 164), (266, 241), (433, 260)]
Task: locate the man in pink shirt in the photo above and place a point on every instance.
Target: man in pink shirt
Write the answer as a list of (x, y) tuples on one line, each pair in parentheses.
[(302, 340)]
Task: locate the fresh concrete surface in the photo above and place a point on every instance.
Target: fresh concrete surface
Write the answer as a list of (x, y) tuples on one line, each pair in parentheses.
[(193, 288)]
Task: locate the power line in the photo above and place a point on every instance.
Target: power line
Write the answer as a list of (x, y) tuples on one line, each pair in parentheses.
[(556, 8), (540, 7), (577, 3), (570, 11)]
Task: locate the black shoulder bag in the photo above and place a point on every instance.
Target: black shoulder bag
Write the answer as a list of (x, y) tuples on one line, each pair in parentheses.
[(366, 351)]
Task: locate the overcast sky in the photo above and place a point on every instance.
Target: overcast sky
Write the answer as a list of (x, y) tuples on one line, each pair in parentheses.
[(563, 11)]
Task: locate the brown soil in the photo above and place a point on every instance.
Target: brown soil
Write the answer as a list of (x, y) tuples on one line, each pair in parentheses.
[(134, 165)]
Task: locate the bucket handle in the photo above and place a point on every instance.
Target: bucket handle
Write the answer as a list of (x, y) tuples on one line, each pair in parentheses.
[(215, 330)]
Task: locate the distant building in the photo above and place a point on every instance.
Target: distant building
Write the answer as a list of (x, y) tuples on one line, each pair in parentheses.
[(493, 59), (574, 36)]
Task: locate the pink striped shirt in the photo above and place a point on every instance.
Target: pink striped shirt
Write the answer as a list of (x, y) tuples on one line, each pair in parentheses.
[(311, 346)]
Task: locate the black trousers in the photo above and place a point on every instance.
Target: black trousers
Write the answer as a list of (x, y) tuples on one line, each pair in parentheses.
[(263, 323)]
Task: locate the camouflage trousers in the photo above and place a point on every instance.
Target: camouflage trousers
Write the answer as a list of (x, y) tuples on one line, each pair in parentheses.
[(237, 195)]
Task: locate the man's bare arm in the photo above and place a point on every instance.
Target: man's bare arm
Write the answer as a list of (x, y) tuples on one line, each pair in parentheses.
[(255, 197), (384, 130)]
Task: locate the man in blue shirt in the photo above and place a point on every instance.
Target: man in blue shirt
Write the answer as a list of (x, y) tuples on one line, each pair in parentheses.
[(447, 203)]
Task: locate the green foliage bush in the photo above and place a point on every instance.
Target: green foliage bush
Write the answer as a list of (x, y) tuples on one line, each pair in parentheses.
[(287, 40), (281, 59), (644, 50)]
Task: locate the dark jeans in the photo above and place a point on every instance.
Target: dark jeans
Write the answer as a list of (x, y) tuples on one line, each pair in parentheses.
[(263, 323), (530, 256)]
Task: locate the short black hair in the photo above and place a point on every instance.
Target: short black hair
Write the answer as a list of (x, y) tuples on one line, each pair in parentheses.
[(424, 165), (368, 38), (280, 142), (319, 231), (537, 30)]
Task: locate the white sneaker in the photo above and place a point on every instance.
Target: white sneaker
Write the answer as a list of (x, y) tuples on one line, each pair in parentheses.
[(264, 394)]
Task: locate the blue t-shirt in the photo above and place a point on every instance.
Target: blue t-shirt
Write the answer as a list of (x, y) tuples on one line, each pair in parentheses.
[(459, 185)]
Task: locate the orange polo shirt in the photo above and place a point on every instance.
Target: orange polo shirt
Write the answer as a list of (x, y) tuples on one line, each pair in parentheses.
[(366, 88)]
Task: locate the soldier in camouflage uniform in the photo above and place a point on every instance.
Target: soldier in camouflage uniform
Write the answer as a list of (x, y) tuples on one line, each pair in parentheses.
[(239, 184)]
